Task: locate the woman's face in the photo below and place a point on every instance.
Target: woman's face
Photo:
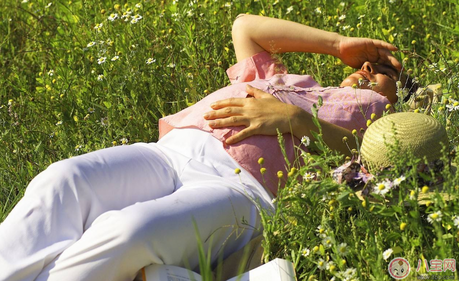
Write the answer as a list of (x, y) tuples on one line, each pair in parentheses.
[(377, 77)]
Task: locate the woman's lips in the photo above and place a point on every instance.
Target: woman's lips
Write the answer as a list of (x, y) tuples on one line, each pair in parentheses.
[(364, 74)]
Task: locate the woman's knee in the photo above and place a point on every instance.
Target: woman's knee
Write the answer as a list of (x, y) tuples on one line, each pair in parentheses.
[(58, 175)]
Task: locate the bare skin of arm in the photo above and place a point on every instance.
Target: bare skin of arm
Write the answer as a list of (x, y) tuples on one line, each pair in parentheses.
[(253, 34), (264, 114)]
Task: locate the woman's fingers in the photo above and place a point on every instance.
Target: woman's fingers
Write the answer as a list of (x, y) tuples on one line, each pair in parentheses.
[(228, 102), (243, 134), (386, 57), (223, 113), (385, 45), (231, 121), (256, 93)]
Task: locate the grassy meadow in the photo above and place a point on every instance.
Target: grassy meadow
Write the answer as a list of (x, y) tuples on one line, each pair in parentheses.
[(77, 76)]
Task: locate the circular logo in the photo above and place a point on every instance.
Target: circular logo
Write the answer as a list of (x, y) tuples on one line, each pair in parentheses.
[(399, 268)]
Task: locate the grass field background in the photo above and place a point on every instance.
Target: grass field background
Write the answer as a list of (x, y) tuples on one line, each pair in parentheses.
[(76, 76)]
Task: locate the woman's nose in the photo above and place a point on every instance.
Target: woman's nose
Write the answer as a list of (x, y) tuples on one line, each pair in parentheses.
[(367, 66)]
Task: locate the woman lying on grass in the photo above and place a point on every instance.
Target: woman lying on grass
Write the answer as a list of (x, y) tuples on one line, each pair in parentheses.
[(106, 214)]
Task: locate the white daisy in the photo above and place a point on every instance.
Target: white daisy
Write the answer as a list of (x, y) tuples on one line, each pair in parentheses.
[(321, 264), (434, 217), (136, 18), (113, 17), (330, 265), (320, 230), (342, 249), (387, 253), (305, 252), (150, 61), (349, 273), (305, 141), (308, 176), (399, 180), (453, 105), (101, 60), (327, 242), (456, 221), (382, 187)]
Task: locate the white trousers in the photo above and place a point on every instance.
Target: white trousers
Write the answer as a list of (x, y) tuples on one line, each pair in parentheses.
[(106, 214)]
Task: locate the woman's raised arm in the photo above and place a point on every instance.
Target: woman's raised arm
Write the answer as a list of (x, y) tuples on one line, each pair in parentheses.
[(253, 34)]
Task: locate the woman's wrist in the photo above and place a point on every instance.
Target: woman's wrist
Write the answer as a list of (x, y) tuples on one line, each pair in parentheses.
[(336, 46)]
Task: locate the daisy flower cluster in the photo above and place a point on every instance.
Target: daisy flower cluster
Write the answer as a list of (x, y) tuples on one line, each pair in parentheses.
[(383, 187), (103, 47), (452, 105), (325, 263)]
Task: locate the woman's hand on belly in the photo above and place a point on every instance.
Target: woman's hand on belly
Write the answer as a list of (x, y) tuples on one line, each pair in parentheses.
[(261, 115)]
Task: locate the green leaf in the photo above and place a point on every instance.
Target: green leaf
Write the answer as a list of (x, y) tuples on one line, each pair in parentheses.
[(314, 110), (322, 249), (320, 101), (37, 147), (388, 212), (415, 242), (343, 195), (393, 236), (107, 104), (316, 122), (397, 249), (414, 214), (75, 19), (30, 169)]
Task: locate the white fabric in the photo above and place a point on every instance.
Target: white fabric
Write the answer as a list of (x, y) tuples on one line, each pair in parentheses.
[(106, 214)]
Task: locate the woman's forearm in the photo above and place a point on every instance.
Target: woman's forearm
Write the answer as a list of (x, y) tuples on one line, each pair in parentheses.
[(253, 34), (302, 125)]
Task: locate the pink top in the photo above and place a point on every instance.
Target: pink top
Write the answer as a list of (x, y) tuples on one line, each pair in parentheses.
[(346, 107)]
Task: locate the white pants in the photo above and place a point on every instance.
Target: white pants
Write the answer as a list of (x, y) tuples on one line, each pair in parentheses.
[(106, 214)]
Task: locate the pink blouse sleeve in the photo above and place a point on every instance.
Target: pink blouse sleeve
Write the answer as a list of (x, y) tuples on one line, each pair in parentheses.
[(259, 66)]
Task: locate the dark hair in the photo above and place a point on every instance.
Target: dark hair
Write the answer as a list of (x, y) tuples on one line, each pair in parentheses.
[(409, 84)]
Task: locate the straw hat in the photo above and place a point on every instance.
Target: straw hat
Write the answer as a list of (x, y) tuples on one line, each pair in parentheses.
[(421, 134)]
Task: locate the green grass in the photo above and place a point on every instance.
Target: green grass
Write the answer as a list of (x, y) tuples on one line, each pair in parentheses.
[(53, 106)]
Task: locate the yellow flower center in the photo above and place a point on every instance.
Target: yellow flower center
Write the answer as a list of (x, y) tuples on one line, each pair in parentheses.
[(381, 186)]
